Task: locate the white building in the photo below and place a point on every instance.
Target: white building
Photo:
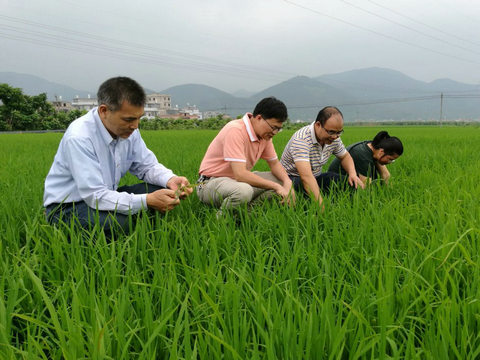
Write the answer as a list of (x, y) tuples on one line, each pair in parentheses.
[(191, 111), (84, 103), (157, 105)]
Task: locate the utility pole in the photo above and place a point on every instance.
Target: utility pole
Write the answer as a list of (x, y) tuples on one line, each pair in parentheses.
[(441, 108)]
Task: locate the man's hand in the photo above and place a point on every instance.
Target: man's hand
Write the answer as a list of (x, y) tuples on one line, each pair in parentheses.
[(181, 186), (287, 193), (162, 200), (355, 181), (321, 204)]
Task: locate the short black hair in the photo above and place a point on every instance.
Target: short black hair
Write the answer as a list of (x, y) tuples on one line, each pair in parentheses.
[(113, 92), (271, 107), (326, 113), (390, 144)]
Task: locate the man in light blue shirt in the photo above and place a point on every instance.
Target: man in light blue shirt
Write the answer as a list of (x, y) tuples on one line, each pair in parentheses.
[(96, 151)]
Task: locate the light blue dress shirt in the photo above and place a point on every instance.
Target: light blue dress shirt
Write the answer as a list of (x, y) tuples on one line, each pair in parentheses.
[(89, 164)]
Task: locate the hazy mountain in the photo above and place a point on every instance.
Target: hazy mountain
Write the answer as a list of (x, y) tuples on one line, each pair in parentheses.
[(34, 85), (243, 93), (304, 96), (386, 94), (374, 82), (447, 85), (206, 98), (363, 94)]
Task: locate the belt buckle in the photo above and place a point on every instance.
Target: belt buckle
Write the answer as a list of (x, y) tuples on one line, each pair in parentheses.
[(202, 179)]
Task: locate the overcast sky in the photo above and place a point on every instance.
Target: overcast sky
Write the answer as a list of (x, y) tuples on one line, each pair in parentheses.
[(232, 45)]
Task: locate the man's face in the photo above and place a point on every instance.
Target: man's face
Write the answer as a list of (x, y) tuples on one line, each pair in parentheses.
[(266, 128), (123, 122), (330, 131)]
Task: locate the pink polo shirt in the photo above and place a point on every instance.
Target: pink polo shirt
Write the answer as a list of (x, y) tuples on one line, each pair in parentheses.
[(235, 142)]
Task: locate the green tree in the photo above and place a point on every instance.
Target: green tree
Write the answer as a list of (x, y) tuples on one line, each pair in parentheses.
[(22, 112), (13, 105)]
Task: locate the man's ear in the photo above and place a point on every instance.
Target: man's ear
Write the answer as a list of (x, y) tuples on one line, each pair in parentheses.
[(102, 111)]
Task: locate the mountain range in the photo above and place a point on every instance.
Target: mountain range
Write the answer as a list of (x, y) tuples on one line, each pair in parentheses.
[(362, 95)]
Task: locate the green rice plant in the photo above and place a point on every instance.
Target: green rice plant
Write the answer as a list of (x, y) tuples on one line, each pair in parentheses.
[(391, 272)]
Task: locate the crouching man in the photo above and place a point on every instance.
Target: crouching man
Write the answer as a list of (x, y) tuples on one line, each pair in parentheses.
[(96, 151), (226, 179)]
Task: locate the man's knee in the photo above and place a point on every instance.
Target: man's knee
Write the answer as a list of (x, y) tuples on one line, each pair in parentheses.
[(243, 193), (268, 176), (237, 195), (87, 217)]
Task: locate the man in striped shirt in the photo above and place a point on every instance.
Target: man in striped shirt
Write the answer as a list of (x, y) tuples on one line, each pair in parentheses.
[(309, 149)]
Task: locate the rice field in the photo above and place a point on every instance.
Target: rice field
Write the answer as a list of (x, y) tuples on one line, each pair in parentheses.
[(388, 273)]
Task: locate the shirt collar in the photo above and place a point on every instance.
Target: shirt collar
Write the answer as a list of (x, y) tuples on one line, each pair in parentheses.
[(105, 135), (312, 131), (249, 127)]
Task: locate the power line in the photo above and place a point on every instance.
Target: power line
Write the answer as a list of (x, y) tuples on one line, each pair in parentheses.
[(135, 45), (379, 33), (408, 27), (455, 9), (119, 49), (422, 23), (372, 102)]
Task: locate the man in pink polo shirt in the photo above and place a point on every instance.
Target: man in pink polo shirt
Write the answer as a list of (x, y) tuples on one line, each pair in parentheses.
[(226, 179)]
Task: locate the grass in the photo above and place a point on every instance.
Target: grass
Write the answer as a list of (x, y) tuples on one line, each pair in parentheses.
[(390, 273)]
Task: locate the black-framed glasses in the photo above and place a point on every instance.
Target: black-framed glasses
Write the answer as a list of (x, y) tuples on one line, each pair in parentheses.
[(333, 132), (275, 129)]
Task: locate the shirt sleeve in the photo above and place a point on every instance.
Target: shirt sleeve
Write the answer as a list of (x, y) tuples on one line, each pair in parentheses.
[(234, 146), (300, 150), (269, 153), (146, 166), (339, 150), (87, 175)]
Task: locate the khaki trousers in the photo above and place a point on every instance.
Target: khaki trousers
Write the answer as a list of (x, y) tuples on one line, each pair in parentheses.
[(227, 193)]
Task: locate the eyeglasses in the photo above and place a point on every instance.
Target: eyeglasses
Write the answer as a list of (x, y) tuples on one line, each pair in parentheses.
[(275, 129), (389, 161), (333, 132)]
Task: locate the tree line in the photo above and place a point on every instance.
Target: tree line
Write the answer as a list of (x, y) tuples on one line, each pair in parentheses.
[(23, 112), (20, 112)]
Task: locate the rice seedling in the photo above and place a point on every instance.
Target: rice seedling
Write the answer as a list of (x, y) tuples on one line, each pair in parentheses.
[(389, 272)]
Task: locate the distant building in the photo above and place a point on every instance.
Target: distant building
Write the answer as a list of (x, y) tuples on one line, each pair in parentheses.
[(84, 103), (211, 114), (191, 112), (157, 105), (188, 112), (61, 105)]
